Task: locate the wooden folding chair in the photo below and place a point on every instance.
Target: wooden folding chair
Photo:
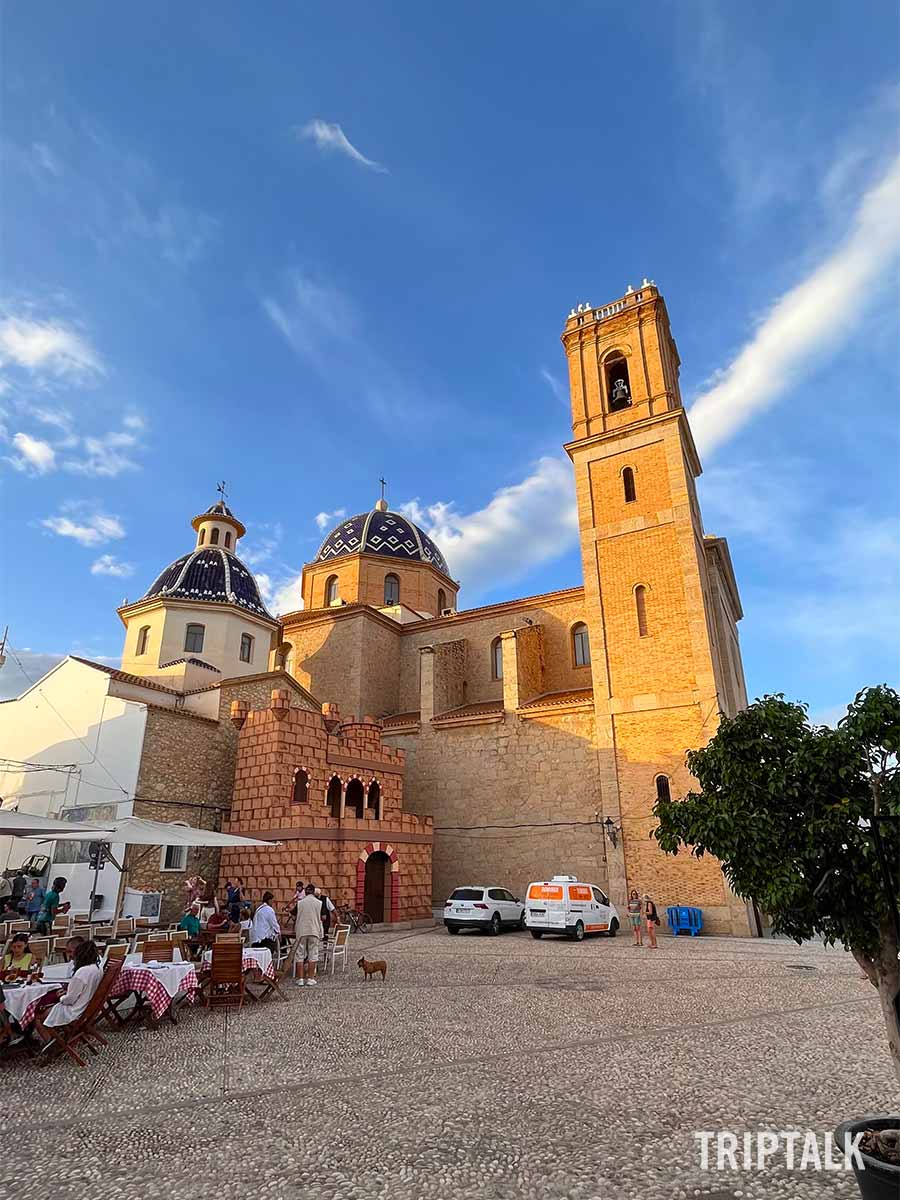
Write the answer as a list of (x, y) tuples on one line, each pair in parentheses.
[(225, 983), (18, 927), (227, 939), (116, 950), (125, 927), (156, 951), (40, 948), (83, 1030), (61, 925)]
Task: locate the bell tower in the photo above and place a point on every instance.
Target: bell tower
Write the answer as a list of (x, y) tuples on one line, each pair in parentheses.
[(660, 598)]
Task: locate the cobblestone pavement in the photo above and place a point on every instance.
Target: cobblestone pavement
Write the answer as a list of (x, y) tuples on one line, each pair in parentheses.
[(484, 1067)]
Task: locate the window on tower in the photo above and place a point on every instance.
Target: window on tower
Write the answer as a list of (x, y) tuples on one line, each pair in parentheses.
[(214, 538), (618, 384), (143, 639), (640, 604), (227, 540), (193, 638), (332, 595), (391, 589), (442, 600), (628, 485), (246, 648), (662, 788), (202, 536)]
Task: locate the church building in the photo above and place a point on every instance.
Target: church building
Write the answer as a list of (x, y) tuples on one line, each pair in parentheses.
[(396, 746)]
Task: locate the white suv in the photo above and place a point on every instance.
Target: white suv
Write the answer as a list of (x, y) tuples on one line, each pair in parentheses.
[(487, 908)]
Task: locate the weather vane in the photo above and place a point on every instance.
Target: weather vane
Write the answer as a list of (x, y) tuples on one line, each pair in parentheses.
[(220, 488)]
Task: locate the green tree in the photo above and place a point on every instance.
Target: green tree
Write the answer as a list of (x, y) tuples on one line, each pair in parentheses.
[(793, 812)]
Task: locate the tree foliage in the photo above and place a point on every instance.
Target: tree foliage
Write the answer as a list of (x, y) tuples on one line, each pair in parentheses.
[(788, 809)]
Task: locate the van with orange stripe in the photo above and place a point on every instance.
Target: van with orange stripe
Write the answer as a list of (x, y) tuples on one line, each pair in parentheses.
[(564, 905)]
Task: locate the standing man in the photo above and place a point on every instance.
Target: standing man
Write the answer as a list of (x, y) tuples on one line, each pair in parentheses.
[(308, 929), (18, 890), (34, 900), (51, 906)]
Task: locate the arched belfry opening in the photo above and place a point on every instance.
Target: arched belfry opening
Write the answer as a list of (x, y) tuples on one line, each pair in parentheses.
[(618, 382), (333, 796), (355, 799)]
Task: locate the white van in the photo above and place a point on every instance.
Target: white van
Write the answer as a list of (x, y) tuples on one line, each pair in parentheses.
[(563, 905)]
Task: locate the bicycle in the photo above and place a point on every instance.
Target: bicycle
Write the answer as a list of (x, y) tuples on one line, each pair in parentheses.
[(359, 922)]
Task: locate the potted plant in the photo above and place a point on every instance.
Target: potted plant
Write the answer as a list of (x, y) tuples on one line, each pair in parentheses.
[(806, 821)]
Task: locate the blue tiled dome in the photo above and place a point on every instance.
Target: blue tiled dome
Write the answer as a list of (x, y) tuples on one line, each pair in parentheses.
[(210, 574), (382, 532)]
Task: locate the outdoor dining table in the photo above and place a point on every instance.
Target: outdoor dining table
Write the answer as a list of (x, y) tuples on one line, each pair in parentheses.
[(22, 1001), (156, 985), (254, 958)]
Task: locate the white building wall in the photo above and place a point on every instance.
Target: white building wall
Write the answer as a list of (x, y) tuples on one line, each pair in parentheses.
[(68, 720)]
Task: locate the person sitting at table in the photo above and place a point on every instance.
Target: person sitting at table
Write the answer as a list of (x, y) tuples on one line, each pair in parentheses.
[(190, 920), (71, 947), (266, 929), (18, 958), (218, 922), (246, 922), (78, 994)]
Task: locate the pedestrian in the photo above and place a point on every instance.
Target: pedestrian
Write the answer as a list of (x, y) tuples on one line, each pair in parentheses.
[(18, 890), (651, 920), (234, 896), (634, 915), (327, 910), (50, 906), (291, 907), (34, 900), (308, 931)]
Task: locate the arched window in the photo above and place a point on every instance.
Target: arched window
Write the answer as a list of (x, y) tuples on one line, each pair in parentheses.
[(214, 538), (193, 638), (333, 795), (391, 589), (246, 648), (581, 646), (640, 605), (331, 590), (355, 799), (373, 801), (442, 600), (227, 540), (142, 639), (618, 385), (662, 788), (202, 536), (628, 485), (300, 794), (497, 658)]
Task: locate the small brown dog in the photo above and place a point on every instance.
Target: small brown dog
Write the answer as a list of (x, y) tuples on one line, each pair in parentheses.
[(373, 968)]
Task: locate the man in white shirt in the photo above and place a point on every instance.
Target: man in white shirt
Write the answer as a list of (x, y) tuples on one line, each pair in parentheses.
[(266, 929), (308, 929)]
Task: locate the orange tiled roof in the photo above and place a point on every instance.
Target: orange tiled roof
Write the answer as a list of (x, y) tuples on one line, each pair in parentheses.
[(407, 718), (482, 709), (551, 699)]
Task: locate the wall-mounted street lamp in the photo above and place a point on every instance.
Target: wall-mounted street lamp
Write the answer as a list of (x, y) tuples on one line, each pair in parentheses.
[(612, 831)]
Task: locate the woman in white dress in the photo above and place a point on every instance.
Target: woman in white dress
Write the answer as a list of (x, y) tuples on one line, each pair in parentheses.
[(78, 994)]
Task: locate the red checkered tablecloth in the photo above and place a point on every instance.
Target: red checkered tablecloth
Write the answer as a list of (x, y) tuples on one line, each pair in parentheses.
[(28, 1015), (149, 984), (258, 961)]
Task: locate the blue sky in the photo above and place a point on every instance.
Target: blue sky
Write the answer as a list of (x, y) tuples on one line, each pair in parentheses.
[(299, 252)]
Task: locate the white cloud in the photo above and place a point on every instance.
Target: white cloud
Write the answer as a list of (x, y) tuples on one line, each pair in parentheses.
[(183, 236), (108, 564), (47, 346), (325, 520), (280, 595), (106, 456), (522, 526), (91, 530), (32, 454), (45, 158), (814, 318), (556, 386), (328, 137)]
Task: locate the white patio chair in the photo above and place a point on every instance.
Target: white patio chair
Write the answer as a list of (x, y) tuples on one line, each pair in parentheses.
[(338, 948)]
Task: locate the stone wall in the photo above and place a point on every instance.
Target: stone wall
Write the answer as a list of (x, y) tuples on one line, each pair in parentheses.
[(508, 772), (450, 660)]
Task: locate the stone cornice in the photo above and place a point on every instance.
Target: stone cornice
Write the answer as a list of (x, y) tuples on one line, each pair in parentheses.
[(622, 432), (152, 602), (381, 559)]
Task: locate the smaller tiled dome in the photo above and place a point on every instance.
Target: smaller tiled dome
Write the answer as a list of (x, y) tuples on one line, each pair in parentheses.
[(213, 575)]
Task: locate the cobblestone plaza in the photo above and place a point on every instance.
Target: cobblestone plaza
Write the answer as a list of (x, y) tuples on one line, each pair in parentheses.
[(484, 1067)]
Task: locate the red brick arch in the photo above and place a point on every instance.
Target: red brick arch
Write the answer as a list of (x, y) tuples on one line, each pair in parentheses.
[(388, 849)]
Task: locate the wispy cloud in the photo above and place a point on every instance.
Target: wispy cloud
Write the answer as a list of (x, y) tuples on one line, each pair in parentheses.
[(86, 528), (522, 526), (32, 454), (108, 564), (330, 137), (182, 235), (556, 386), (106, 456), (325, 519), (817, 316), (47, 346), (281, 594)]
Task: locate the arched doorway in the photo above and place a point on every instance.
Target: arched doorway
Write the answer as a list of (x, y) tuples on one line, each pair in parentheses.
[(377, 889), (355, 799)]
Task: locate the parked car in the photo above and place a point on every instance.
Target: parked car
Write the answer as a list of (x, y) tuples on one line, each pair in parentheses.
[(564, 905), (489, 909)]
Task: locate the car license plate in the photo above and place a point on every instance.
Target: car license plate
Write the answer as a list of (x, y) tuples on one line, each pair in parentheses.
[(460, 909)]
